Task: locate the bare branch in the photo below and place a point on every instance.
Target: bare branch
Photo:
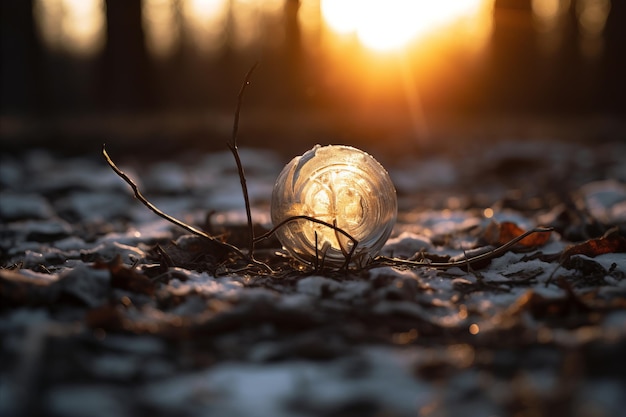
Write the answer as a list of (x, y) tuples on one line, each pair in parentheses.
[(317, 259), (348, 255), (465, 262), (159, 213), (246, 82), (232, 145)]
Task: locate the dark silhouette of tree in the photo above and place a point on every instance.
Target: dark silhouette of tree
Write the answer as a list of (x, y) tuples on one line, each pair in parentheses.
[(614, 59), (511, 68), (126, 71), (293, 41), (564, 84), (293, 51), (22, 86)]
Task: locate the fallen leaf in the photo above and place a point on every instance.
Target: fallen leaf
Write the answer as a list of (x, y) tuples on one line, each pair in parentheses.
[(611, 242), (498, 234)]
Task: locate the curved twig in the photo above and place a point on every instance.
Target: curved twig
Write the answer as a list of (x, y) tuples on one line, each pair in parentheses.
[(348, 256), (467, 261), (159, 213)]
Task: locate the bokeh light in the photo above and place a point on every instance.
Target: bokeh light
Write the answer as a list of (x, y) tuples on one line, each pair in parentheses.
[(74, 26), (160, 27)]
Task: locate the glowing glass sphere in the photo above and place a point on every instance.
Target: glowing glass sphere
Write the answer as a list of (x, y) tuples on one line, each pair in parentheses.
[(342, 186)]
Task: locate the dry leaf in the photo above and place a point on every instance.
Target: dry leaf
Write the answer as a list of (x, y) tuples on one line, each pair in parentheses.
[(498, 234), (611, 242)]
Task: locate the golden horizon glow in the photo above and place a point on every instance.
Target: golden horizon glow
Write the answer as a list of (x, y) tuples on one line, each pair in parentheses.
[(79, 26), (387, 25)]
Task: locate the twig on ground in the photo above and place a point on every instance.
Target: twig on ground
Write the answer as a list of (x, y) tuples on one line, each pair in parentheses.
[(317, 259), (165, 216), (347, 255), (463, 262), (468, 265)]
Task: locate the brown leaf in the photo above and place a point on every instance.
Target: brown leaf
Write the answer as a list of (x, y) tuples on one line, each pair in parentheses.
[(498, 234), (611, 242)]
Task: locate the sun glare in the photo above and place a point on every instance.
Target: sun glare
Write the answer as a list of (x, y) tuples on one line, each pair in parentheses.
[(385, 25), (79, 26)]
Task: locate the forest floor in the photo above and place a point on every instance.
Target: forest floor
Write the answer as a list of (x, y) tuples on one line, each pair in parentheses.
[(107, 309)]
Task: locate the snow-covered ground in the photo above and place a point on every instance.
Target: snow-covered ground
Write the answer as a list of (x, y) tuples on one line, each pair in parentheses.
[(93, 322)]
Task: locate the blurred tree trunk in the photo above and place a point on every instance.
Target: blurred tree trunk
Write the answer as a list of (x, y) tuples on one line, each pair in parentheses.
[(512, 62), (22, 88), (293, 53), (126, 70), (614, 59), (293, 37)]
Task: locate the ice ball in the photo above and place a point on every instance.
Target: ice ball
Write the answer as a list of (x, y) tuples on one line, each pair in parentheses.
[(342, 186)]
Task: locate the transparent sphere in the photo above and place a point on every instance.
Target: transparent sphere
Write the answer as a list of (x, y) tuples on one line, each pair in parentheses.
[(342, 186)]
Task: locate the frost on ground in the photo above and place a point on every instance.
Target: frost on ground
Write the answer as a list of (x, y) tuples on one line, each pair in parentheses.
[(101, 314)]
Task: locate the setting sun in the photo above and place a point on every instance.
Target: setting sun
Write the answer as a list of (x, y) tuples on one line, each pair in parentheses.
[(392, 24)]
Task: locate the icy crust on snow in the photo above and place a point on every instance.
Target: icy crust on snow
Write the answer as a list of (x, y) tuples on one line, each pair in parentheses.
[(606, 200), (226, 288), (374, 380), (14, 206)]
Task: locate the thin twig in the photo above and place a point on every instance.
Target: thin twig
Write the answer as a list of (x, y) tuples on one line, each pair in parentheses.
[(341, 248), (478, 275), (159, 213), (246, 82), (551, 277), (304, 217), (232, 145), (314, 220), (465, 262), (316, 264)]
